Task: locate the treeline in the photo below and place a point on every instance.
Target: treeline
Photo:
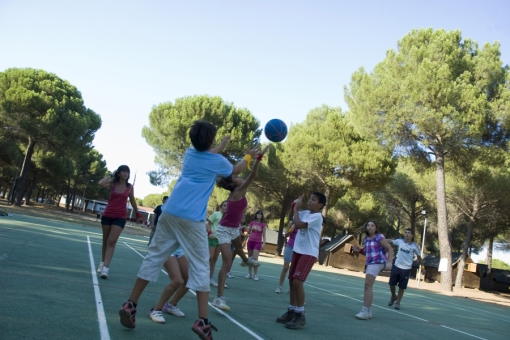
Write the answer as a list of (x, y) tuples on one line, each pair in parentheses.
[(427, 131), (46, 139)]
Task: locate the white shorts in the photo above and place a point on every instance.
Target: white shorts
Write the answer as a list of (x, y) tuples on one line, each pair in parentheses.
[(171, 232), (226, 234), (374, 269)]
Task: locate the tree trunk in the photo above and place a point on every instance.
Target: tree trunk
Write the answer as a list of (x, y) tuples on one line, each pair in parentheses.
[(445, 248), (25, 170), (68, 196), (283, 214), (465, 250), (31, 187), (74, 197), (488, 259)]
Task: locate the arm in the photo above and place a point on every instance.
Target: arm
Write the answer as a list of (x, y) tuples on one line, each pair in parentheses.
[(208, 229), (298, 224), (133, 204), (389, 250), (264, 237), (420, 260), (221, 146), (107, 181), (241, 191), (243, 163)]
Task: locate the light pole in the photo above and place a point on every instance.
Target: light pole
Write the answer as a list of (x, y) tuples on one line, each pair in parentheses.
[(424, 213), (83, 196)]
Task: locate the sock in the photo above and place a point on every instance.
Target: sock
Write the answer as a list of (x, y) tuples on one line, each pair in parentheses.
[(134, 304), (291, 307), (365, 309), (300, 309), (205, 320)]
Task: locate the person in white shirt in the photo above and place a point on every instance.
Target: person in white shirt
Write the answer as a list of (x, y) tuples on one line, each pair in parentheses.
[(401, 271), (305, 253)]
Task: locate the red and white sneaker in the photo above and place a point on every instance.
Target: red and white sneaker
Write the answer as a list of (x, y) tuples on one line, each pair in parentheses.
[(127, 315), (203, 330)]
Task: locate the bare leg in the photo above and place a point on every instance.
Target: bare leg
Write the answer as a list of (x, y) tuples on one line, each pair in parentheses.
[(214, 252), (369, 292), (111, 242), (297, 293), (250, 253), (106, 234), (392, 290), (222, 275), (255, 256), (203, 301), (176, 281), (400, 294), (285, 269), (138, 289)]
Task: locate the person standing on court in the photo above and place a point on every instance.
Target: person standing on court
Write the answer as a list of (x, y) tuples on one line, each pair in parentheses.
[(401, 270), (157, 212), (379, 256), (304, 255), (114, 216), (182, 222)]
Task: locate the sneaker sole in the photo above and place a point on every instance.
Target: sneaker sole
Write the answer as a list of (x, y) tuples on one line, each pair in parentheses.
[(363, 318), (156, 321), (104, 276), (294, 326), (125, 319), (225, 308), (182, 314)]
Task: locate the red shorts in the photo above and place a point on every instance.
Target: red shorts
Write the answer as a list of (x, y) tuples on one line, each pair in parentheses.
[(301, 266)]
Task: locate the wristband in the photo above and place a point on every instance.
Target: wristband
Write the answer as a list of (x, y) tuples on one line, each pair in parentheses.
[(259, 157), (247, 158)]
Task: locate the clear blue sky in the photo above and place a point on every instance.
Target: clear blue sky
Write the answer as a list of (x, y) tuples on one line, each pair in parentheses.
[(276, 58)]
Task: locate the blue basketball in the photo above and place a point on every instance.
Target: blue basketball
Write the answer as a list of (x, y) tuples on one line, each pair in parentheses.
[(275, 130)]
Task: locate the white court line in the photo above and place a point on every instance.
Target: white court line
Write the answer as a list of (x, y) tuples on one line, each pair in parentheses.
[(389, 309), (249, 331), (103, 327)]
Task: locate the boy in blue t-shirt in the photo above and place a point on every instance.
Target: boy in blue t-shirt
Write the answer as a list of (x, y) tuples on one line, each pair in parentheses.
[(182, 222), (402, 269)]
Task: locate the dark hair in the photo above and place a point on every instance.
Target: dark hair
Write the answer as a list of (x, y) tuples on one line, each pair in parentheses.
[(116, 178), (225, 183), (164, 198), (221, 204), (255, 215), (376, 226), (409, 230), (202, 134), (321, 197)]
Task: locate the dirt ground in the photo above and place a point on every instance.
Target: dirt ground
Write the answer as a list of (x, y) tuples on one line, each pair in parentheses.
[(132, 228)]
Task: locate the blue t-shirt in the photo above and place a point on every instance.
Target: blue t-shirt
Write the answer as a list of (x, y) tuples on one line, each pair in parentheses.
[(193, 189)]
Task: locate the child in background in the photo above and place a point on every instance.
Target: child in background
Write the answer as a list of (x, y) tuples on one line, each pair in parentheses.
[(256, 242), (287, 253), (214, 249), (379, 255)]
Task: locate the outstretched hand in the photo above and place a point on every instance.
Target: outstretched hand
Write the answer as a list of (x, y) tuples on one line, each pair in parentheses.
[(253, 152), (299, 202)]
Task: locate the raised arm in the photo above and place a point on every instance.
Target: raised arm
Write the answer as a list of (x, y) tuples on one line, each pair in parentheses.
[(298, 224), (222, 145), (239, 167), (107, 181)]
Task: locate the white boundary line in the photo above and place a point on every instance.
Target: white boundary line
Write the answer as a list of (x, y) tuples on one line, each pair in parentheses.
[(103, 327), (249, 331)]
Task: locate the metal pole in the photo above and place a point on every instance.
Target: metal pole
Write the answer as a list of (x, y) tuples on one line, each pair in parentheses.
[(422, 245), (83, 196)]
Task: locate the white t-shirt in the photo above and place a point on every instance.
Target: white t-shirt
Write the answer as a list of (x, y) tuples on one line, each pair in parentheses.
[(308, 239), (406, 252)]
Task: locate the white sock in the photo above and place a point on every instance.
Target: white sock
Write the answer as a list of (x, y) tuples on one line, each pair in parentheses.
[(291, 307)]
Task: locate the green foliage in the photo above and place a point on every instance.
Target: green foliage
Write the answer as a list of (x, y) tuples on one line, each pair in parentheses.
[(496, 263), (153, 200), (169, 125)]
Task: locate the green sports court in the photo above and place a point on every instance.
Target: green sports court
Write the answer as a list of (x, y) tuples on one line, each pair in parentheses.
[(50, 290)]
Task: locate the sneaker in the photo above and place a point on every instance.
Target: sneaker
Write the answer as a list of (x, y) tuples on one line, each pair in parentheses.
[(363, 315), (255, 277), (219, 302), (298, 321), (278, 290), (226, 285), (392, 301), (156, 316), (203, 330), (213, 282), (250, 263), (100, 268), (288, 316), (248, 276), (104, 272), (397, 305), (174, 310), (127, 315), (229, 275)]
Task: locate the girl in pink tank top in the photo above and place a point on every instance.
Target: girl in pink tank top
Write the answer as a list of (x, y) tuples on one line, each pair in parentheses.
[(228, 228), (115, 214)]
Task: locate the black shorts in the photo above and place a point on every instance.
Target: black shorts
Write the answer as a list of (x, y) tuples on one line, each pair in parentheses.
[(121, 222), (400, 276)]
